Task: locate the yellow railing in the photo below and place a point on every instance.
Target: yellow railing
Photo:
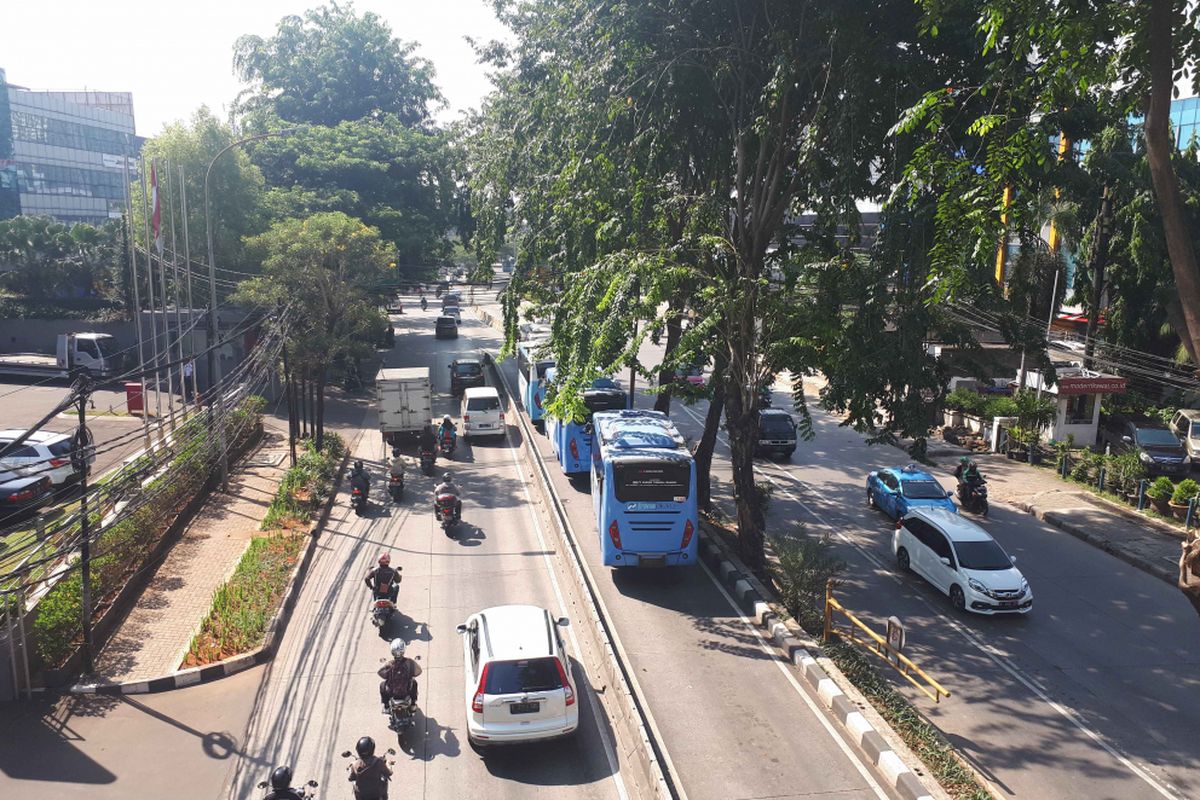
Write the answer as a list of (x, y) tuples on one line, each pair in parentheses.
[(874, 643)]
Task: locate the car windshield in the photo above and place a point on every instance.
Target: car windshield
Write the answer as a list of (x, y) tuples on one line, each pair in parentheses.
[(1195, 434), (692, 371), (982, 555), (518, 677), (652, 481), (923, 490), (1156, 437), (467, 370), (483, 404), (775, 425)]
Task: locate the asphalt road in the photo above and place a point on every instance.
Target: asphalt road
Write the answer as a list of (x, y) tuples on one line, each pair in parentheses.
[(320, 694), (1090, 695)]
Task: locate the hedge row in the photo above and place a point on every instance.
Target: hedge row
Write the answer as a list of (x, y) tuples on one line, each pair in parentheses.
[(121, 549), (305, 486)]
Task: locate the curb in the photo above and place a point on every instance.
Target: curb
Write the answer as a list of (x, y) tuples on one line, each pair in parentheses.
[(243, 661), (1162, 572), (846, 707)]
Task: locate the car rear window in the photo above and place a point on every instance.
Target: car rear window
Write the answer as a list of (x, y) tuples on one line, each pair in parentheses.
[(468, 369), (60, 448), (517, 677), (20, 451), (923, 490), (483, 404)]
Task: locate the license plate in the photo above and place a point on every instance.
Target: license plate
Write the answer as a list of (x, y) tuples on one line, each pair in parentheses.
[(484, 425), (1008, 603), (652, 561), (524, 708)]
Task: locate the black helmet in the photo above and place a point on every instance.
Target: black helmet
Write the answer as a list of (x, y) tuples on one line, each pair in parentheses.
[(365, 747), (281, 778), (358, 464)]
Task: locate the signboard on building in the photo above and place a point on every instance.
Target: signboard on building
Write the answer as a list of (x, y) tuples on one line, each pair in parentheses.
[(1102, 384)]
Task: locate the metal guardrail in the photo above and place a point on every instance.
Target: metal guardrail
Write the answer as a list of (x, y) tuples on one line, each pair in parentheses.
[(888, 651)]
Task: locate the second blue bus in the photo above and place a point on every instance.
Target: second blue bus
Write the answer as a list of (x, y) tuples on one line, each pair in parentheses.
[(643, 490), (571, 439), (531, 378)]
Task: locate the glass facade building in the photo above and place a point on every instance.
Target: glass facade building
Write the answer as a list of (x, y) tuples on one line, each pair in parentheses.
[(62, 154)]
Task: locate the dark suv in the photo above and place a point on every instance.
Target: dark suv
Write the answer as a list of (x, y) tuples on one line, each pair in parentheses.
[(445, 328), (776, 433), (465, 374), (1157, 446)]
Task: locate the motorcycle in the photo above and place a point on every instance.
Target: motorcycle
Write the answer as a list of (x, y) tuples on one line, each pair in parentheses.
[(974, 497), (306, 791), (358, 501), (446, 443), (446, 506), (401, 713), (424, 304), (382, 609), (395, 487), (427, 459)]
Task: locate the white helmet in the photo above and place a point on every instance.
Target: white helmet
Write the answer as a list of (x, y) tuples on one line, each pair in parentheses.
[(398, 648)]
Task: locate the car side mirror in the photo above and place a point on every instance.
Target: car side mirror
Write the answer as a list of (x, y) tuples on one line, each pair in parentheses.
[(313, 784), (949, 494), (1012, 559), (945, 561), (345, 754), (461, 629), (563, 621)]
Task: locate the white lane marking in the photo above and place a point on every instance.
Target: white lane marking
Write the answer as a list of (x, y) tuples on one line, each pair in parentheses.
[(769, 650), (597, 712), (988, 650)]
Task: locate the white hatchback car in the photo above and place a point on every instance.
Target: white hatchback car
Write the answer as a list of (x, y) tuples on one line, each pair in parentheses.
[(43, 453), (453, 311), (962, 560), (482, 413), (518, 679)]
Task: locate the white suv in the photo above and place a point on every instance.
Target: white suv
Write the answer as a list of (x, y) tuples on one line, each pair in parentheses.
[(482, 413), (43, 453), (962, 560), (518, 676)]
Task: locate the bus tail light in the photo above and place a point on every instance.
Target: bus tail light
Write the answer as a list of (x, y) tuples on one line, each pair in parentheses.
[(574, 450), (477, 701), (562, 676), (614, 533), (688, 530)]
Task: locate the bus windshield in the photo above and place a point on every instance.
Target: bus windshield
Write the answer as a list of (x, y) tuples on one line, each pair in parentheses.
[(651, 481)]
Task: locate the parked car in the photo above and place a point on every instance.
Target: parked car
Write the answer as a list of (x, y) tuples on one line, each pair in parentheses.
[(482, 412), (1186, 425), (465, 373), (517, 676), (692, 374), (896, 490), (23, 494), (1160, 450), (445, 328), (776, 433), (962, 561), (43, 453)]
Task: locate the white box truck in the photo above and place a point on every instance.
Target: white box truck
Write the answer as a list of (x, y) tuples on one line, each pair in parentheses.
[(95, 352), (405, 401)]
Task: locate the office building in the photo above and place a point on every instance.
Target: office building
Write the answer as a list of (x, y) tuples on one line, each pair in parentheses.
[(62, 153)]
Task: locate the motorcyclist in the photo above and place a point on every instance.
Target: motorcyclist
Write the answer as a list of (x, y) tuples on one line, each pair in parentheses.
[(968, 472), (359, 477), (399, 676), (384, 578), (370, 773), (447, 431), (397, 467), (427, 441), (447, 487), (424, 303), (281, 785)]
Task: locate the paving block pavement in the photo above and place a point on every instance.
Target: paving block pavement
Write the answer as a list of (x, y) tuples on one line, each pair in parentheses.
[(155, 636)]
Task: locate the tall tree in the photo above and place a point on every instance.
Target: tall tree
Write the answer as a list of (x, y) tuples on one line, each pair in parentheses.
[(333, 65)]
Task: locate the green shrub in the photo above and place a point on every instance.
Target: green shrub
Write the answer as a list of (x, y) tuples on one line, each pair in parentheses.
[(806, 564), (1125, 472), (1000, 407), (1184, 492), (965, 400), (305, 486), (1087, 467), (1161, 489)]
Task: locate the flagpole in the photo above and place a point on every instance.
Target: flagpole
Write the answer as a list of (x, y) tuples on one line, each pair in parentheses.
[(153, 313), (162, 290), (175, 278), (137, 300), (187, 263)]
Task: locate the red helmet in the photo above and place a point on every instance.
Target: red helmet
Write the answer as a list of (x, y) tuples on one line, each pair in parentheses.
[(384, 560)]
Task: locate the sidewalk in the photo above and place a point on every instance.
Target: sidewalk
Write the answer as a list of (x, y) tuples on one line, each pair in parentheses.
[(154, 638)]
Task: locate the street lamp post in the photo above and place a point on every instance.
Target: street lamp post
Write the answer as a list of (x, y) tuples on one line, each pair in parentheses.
[(213, 363)]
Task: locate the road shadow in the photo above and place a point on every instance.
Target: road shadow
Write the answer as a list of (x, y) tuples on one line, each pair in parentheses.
[(41, 745)]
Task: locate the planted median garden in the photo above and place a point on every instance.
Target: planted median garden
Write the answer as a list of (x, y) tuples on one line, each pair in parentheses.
[(245, 604)]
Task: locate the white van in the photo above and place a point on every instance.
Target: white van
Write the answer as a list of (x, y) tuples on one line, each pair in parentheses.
[(482, 414)]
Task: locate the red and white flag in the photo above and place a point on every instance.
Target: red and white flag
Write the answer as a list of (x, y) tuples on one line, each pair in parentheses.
[(156, 217)]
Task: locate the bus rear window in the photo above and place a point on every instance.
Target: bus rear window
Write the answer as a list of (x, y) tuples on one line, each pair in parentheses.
[(654, 481)]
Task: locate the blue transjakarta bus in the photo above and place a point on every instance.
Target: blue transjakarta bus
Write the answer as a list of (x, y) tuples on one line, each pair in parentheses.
[(571, 439), (643, 490), (531, 380)]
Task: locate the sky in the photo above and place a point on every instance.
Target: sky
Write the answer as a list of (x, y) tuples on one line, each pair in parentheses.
[(176, 56)]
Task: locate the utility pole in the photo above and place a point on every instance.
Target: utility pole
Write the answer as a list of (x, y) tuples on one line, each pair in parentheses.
[(187, 263), (137, 304), (79, 454), (153, 313), (1096, 263)]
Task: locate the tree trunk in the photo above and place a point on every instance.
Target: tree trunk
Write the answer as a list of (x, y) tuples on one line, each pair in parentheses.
[(304, 402), (290, 393), (319, 390), (741, 411), (666, 377), (708, 440), (1096, 263), (1160, 147)]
